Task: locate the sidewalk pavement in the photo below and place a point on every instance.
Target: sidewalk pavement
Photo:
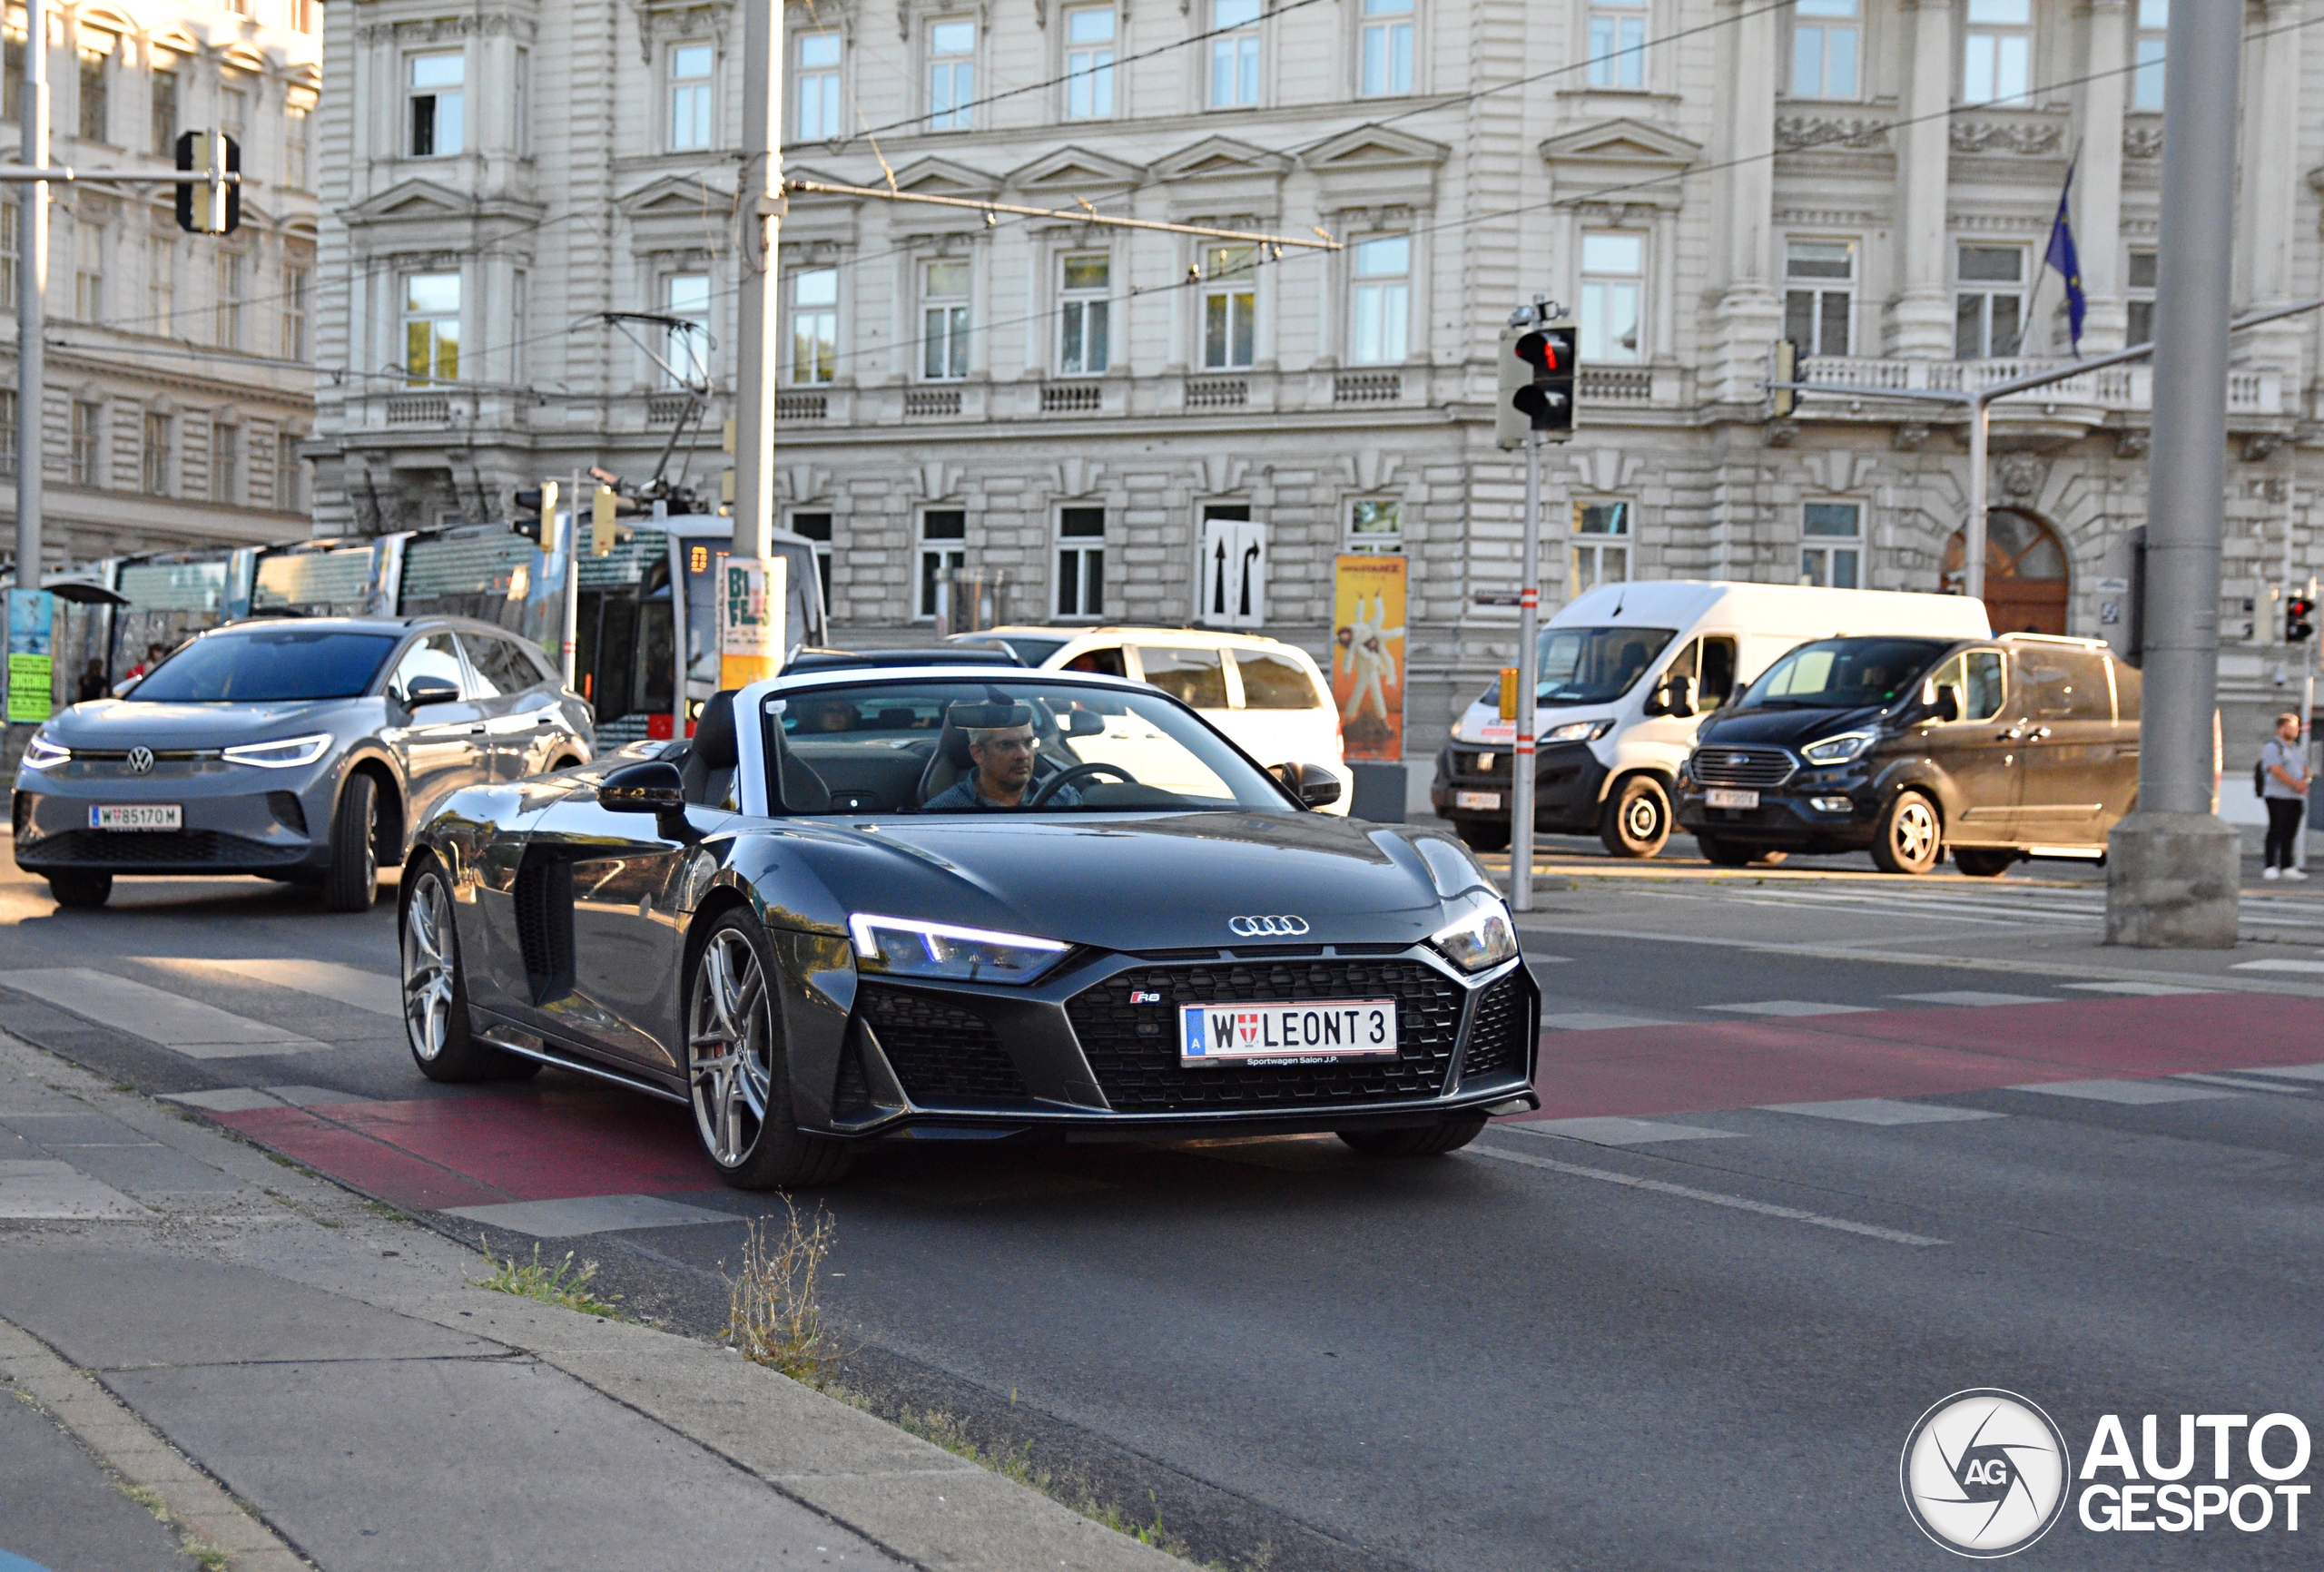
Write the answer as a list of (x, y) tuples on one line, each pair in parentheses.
[(222, 1361)]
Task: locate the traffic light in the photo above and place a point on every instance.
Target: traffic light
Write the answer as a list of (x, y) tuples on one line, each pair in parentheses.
[(1783, 366), (541, 502), (1546, 398), (213, 206), (2299, 620)]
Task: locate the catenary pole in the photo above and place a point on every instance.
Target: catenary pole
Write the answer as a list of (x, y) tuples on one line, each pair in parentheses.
[(1973, 537), (1529, 611), (760, 205), (32, 304)]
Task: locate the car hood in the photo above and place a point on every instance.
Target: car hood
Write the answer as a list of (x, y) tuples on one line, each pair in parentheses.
[(125, 722), (1783, 727), (1150, 883)]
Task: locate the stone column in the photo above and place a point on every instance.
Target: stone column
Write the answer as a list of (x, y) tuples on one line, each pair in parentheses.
[(2098, 181), (1920, 324), (1749, 314)]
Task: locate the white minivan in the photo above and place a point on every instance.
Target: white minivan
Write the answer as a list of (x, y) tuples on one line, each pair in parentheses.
[(1628, 671)]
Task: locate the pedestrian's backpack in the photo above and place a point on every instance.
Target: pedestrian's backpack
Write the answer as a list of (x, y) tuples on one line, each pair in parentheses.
[(2259, 777)]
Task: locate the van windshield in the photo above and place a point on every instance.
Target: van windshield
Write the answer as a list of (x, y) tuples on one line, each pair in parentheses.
[(1844, 673), (1593, 665)]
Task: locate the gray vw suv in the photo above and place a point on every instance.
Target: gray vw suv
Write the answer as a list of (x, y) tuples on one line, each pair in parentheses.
[(306, 751)]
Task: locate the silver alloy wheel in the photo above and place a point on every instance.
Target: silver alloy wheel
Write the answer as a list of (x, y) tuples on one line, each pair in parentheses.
[(427, 963), (1914, 832), (371, 839), (727, 1047)]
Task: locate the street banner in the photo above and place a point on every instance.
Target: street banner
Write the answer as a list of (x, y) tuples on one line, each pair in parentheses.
[(1368, 654), (32, 655), (752, 594)]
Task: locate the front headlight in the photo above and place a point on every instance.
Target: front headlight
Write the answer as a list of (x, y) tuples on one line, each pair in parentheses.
[(287, 754), (1839, 750), (40, 753), (1482, 938), (904, 947), (1578, 731)]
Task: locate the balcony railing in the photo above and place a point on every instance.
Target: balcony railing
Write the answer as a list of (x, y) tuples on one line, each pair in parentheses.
[(920, 403), (802, 407), (667, 408), (419, 409), (1218, 392), (1617, 385), (1072, 397), (2114, 390), (1367, 387)]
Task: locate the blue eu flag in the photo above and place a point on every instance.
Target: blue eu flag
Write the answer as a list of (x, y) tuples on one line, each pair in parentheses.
[(2061, 256)]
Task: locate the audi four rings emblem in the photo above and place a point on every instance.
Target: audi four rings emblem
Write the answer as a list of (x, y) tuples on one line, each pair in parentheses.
[(1267, 927), (141, 759)]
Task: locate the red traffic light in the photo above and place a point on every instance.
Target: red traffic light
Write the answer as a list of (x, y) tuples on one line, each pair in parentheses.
[(1540, 350), (2300, 612)]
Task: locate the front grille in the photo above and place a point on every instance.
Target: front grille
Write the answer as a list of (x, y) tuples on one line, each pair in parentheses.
[(1716, 766), (942, 1052), (161, 755), (1496, 1030), (160, 849), (851, 1092), (1484, 763), (1134, 1048)]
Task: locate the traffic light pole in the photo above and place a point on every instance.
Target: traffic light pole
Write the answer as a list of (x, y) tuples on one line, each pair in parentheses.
[(1529, 676), (760, 206), (31, 288)]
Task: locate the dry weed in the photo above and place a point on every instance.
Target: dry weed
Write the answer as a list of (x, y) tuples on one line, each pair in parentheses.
[(774, 1314)]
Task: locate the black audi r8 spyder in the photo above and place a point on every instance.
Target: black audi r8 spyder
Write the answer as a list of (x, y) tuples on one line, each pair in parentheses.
[(813, 924)]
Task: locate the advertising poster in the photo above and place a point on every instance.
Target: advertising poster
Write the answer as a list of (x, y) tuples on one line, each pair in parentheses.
[(1368, 654), (32, 654), (752, 599)]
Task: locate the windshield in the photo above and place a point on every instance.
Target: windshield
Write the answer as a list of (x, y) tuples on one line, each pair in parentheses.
[(1592, 665), (268, 665), (972, 746), (1843, 673)]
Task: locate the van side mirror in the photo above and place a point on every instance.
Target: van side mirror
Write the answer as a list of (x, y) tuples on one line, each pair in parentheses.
[(1670, 697), (1948, 705)]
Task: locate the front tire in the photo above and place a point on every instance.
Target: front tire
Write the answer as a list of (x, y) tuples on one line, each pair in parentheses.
[(1479, 837), (1722, 853), (1447, 1135), (739, 1075), (1982, 864), (80, 892), (1912, 836), (435, 991), (1636, 818), (353, 879)]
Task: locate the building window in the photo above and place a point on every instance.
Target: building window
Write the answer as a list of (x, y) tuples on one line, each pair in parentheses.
[(9, 248), (693, 68), (295, 171), (1601, 545), (1388, 47), (818, 86), (226, 463), (435, 117), (1090, 62), (432, 327), (944, 534), (234, 112), (1998, 54), (1986, 304), (228, 325), (303, 16), (12, 60), (1230, 306), (686, 298), (1235, 54), (1823, 40), (815, 324), (88, 271), (817, 528), (2146, 84), (153, 462), (86, 420), (951, 74), (1831, 544), (95, 102), (1375, 524), (1819, 296), (1381, 296), (294, 314), (161, 288), (2141, 301), (165, 112), (1081, 562), (1616, 43), (7, 435), (1613, 275), (944, 322), (1082, 313), (286, 490)]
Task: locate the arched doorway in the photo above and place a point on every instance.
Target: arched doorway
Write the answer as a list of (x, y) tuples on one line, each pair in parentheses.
[(2025, 572)]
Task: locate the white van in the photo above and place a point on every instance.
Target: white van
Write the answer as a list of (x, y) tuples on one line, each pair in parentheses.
[(1627, 672)]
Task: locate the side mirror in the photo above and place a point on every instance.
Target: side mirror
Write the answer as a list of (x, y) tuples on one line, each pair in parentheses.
[(429, 690), (1314, 785), (1670, 697), (649, 786), (1948, 703)]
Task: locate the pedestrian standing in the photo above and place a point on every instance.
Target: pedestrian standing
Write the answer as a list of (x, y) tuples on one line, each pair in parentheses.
[(2284, 761)]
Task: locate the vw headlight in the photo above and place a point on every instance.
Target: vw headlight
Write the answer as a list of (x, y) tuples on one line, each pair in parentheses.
[(904, 947), (1578, 731), (1483, 936), (40, 753), (287, 754), (1839, 750)]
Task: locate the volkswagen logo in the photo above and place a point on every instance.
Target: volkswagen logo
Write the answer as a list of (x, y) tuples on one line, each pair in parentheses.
[(1267, 927), (140, 760)]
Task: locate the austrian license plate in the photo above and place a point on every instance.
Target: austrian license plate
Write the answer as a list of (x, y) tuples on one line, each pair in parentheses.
[(1721, 797), (138, 816), (1333, 1028), (1486, 799)]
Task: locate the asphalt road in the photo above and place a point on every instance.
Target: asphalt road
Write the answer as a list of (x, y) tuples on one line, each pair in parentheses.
[(1818, 1151)]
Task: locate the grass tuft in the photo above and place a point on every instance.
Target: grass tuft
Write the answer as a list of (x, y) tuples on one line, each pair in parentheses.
[(560, 1283), (774, 1310)]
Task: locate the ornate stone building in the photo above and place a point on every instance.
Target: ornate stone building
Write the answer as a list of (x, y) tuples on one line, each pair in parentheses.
[(180, 379), (1069, 406)]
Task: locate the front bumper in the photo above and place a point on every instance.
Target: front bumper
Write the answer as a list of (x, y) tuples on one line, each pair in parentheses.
[(1093, 1055), (1836, 809), (1569, 783), (238, 820)]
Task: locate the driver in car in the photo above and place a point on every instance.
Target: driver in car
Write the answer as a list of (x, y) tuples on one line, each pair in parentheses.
[(1003, 777)]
